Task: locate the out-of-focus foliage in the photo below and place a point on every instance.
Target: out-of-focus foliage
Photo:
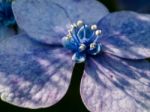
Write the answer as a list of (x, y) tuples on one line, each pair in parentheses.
[(135, 5)]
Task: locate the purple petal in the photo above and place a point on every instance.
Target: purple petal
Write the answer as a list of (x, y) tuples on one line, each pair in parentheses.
[(33, 75), (90, 11), (126, 34), (111, 84), (43, 20), (47, 20)]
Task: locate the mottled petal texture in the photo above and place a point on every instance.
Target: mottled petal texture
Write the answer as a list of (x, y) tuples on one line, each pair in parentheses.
[(90, 11), (43, 20), (111, 84), (33, 75), (126, 34)]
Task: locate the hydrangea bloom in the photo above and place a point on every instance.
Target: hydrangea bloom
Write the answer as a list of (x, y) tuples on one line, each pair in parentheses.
[(35, 68), (6, 19)]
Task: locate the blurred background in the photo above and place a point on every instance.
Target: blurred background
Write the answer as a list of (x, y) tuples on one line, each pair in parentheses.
[(72, 101)]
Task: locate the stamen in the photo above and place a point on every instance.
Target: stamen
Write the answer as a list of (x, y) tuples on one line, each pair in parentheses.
[(94, 27), (83, 39), (92, 45), (73, 26), (73, 32), (82, 47), (98, 32), (80, 23), (68, 37), (70, 30)]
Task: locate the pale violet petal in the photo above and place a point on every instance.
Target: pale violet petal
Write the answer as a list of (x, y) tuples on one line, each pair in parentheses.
[(111, 84), (126, 34), (33, 75), (43, 20), (90, 11), (47, 21)]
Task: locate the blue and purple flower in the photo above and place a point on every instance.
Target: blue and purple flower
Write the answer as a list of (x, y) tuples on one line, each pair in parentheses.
[(36, 66)]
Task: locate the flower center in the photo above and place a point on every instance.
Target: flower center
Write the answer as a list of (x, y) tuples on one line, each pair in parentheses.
[(6, 14), (82, 41)]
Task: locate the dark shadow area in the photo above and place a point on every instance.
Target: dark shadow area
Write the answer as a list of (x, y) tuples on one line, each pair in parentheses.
[(141, 6), (145, 9), (15, 28), (110, 4)]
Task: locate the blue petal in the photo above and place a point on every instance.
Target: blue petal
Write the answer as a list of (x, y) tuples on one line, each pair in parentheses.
[(112, 84), (126, 34), (43, 20), (33, 75), (90, 11), (46, 20)]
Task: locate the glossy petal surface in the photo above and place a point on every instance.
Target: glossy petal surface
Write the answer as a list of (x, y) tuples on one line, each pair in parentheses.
[(111, 84), (126, 34), (90, 11), (41, 19), (33, 75)]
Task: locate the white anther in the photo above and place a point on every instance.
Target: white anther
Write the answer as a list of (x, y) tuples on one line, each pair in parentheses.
[(70, 31), (98, 32), (80, 23), (92, 45), (82, 47), (94, 27), (73, 26), (68, 37)]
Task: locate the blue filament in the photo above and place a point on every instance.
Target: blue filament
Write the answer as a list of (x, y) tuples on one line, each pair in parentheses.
[(79, 42)]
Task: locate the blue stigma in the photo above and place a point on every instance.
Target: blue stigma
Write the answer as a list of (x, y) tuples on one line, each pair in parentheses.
[(6, 13), (82, 41)]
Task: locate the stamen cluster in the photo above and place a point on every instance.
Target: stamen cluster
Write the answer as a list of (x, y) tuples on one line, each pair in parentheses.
[(82, 40)]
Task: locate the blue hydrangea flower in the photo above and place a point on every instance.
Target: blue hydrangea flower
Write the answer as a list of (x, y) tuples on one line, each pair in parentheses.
[(36, 66), (6, 19)]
